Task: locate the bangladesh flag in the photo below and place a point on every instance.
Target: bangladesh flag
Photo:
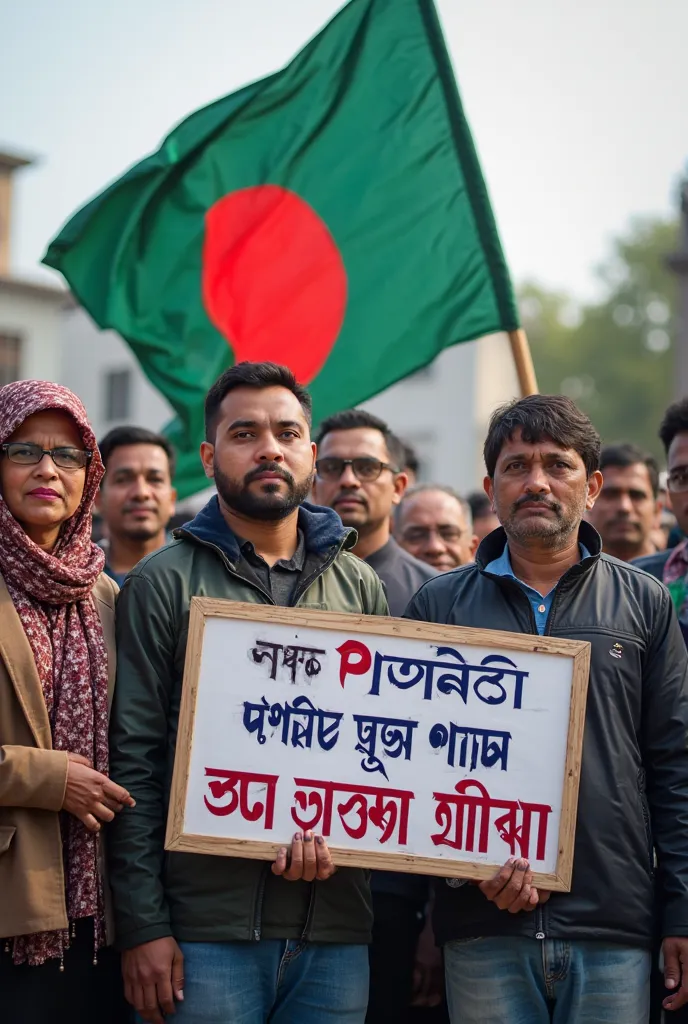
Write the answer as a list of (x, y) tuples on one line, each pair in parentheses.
[(332, 217)]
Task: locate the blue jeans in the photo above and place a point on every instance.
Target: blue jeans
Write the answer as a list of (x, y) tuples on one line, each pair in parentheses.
[(527, 981), (273, 980)]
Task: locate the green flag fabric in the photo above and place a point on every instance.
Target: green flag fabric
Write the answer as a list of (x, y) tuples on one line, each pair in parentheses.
[(332, 217)]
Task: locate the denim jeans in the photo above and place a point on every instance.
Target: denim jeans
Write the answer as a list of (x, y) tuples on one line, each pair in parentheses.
[(273, 980), (527, 981)]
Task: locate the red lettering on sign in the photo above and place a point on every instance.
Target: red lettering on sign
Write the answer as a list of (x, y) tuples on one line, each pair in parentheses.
[(355, 659)]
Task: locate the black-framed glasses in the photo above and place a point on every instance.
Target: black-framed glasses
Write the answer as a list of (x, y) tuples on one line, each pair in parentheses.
[(365, 468), (677, 481), (24, 453)]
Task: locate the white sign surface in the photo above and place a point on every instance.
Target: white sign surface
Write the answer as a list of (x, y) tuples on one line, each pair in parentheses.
[(420, 749)]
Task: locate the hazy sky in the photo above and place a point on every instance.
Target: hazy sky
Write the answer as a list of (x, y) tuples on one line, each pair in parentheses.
[(579, 108)]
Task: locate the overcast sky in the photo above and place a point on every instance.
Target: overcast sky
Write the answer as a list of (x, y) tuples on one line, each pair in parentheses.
[(579, 108)]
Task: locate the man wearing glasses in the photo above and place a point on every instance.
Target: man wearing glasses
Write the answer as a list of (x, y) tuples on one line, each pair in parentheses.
[(433, 523), (359, 474)]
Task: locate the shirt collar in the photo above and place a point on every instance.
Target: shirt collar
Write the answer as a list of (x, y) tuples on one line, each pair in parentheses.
[(501, 566), (295, 563)]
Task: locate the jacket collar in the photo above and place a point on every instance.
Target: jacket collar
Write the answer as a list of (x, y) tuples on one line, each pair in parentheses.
[(322, 529), (493, 546)]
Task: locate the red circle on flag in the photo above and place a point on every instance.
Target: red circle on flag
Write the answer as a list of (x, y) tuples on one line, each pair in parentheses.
[(274, 282)]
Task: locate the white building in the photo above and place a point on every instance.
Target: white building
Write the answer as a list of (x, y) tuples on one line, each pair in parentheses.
[(443, 411), (101, 369), (29, 311)]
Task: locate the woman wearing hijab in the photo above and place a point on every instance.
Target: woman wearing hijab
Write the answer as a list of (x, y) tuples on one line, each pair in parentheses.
[(56, 675)]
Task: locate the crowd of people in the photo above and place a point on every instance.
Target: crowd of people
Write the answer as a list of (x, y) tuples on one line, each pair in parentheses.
[(569, 538)]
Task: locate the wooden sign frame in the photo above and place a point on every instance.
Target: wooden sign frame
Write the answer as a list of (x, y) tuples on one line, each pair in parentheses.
[(203, 608)]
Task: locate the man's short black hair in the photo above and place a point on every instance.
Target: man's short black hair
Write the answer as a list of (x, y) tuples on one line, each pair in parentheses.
[(252, 375), (626, 454), (353, 419), (118, 437), (554, 417), (675, 422), (411, 460), (479, 504)]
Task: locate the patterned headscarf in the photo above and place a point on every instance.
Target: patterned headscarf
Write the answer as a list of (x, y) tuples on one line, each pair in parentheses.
[(52, 593)]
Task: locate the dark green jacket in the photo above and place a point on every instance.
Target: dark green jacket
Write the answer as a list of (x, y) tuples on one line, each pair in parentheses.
[(194, 897)]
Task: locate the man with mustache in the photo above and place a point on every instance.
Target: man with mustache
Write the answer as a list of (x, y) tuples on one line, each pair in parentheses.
[(359, 473), (213, 939), (583, 957), (136, 498), (627, 509)]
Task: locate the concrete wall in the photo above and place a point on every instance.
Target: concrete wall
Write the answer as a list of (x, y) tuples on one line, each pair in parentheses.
[(34, 316)]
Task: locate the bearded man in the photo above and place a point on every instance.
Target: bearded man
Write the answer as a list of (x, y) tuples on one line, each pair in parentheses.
[(207, 938)]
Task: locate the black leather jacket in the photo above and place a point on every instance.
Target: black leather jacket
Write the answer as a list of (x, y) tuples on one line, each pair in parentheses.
[(634, 779)]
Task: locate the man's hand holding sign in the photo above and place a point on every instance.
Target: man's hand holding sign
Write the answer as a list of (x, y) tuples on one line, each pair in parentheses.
[(388, 743)]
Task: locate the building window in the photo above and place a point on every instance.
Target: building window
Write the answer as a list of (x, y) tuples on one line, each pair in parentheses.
[(117, 395), (10, 356)]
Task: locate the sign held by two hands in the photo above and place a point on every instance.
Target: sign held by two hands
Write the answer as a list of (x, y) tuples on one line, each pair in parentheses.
[(409, 746)]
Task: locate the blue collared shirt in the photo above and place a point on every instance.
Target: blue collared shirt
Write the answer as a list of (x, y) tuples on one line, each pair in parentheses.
[(541, 605)]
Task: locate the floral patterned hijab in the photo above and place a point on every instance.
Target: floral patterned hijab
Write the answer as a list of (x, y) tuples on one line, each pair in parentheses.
[(52, 593)]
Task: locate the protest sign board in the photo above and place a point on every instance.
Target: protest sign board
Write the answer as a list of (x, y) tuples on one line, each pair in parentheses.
[(410, 746)]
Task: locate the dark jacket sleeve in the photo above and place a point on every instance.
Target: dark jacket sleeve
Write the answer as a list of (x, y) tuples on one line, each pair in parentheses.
[(139, 749), (665, 757), (417, 608)]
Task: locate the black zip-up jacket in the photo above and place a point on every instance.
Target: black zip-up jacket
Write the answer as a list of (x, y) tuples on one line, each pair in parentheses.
[(634, 778)]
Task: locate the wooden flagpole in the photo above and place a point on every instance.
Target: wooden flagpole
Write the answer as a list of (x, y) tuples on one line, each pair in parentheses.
[(520, 349)]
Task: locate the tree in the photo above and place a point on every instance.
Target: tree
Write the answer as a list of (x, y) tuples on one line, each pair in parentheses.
[(613, 357)]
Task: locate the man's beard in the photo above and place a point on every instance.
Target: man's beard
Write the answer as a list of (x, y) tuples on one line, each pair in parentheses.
[(272, 504), (552, 531)]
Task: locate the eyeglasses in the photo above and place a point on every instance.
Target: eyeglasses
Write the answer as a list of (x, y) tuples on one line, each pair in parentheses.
[(27, 454), (364, 468), (677, 481), (422, 534)]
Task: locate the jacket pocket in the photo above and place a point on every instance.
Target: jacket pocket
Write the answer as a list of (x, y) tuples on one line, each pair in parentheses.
[(6, 836)]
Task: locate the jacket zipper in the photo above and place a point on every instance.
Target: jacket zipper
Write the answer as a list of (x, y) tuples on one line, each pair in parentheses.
[(540, 919), (258, 905), (556, 601), (301, 588), (515, 588), (305, 935)]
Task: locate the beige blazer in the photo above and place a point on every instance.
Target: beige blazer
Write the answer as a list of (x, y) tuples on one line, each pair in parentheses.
[(33, 778)]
